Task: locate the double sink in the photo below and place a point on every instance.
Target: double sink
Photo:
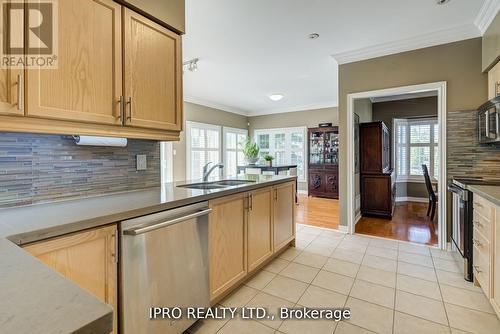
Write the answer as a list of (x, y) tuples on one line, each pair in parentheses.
[(216, 184)]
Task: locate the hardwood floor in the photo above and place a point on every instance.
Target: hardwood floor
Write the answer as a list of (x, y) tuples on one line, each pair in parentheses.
[(409, 223), (320, 212)]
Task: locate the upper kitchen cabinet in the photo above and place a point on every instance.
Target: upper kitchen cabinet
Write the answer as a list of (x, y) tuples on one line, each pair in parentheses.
[(11, 92), (153, 74), (87, 84), (494, 81), (170, 13)]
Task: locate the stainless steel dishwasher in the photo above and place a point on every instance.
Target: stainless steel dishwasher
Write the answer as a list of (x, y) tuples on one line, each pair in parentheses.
[(164, 263)]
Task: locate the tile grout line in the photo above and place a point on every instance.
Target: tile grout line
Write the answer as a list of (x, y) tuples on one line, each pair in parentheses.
[(441, 293)]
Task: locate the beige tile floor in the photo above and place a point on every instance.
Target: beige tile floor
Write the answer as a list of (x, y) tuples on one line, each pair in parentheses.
[(390, 287)]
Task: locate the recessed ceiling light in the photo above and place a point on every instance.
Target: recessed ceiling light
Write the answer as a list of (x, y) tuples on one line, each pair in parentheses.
[(442, 2), (276, 97), (313, 36)]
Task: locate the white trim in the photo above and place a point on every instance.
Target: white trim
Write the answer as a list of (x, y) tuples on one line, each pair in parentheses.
[(443, 36), (357, 218), (343, 229), (486, 15), (302, 192), (440, 87), (215, 105), (191, 124), (412, 199)]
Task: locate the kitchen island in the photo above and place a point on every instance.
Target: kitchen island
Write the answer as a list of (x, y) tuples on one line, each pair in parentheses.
[(34, 296)]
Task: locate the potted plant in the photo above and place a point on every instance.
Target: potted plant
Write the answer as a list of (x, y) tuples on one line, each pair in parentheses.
[(269, 159), (251, 151)]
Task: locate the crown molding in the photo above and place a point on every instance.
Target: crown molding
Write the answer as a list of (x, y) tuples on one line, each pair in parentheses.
[(305, 107), (486, 15), (403, 96), (215, 105), (443, 36)]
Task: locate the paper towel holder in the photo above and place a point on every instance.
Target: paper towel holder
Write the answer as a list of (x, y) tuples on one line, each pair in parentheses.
[(99, 141)]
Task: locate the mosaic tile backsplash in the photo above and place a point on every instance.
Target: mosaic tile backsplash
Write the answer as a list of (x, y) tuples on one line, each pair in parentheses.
[(466, 157), (40, 168)]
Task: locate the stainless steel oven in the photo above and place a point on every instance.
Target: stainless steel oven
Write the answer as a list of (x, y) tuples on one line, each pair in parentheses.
[(488, 122), (461, 227)]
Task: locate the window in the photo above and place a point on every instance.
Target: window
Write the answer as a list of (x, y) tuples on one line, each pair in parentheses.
[(203, 143), (416, 143), (286, 145), (233, 150)]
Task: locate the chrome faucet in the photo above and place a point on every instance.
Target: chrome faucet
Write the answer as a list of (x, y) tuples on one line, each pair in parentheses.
[(207, 172)]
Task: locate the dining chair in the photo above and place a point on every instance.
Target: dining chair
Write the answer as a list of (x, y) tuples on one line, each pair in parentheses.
[(433, 199)]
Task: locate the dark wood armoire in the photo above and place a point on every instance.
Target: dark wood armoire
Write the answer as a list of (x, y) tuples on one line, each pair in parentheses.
[(377, 179), (323, 162)]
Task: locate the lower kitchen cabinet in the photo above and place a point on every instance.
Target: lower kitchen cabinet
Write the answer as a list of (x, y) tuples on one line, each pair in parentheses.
[(260, 228), (486, 252), (283, 215), (86, 258), (245, 231), (227, 244)]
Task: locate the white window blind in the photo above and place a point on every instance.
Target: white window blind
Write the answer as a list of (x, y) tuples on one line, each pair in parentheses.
[(416, 144), (286, 145), (203, 145), (233, 150)]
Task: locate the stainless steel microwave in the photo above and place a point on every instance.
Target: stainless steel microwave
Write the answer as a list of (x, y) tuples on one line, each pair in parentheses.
[(488, 122)]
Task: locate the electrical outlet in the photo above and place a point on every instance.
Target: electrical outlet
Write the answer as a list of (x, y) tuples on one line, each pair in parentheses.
[(142, 163)]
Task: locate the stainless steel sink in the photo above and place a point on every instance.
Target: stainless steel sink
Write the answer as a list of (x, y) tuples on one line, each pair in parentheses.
[(216, 184), (205, 186), (233, 182)]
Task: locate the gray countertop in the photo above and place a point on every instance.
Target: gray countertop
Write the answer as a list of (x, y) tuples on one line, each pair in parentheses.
[(34, 296), (491, 193)]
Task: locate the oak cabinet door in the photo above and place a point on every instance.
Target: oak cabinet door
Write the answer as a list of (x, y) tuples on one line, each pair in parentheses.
[(284, 214), (87, 259), (226, 243), (259, 231), (11, 81), (87, 84), (494, 81), (153, 74)]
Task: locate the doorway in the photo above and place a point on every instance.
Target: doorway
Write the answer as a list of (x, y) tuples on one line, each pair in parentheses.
[(438, 170)]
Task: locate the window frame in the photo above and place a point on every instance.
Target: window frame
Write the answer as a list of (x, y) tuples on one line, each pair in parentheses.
[(225, 131), (205, 126), (433, 147), (288, 140)]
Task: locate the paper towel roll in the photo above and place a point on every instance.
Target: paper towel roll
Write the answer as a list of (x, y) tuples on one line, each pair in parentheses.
[(100, 141)]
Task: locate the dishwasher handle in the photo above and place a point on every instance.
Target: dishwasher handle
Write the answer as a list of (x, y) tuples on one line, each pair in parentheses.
[(142, 230)]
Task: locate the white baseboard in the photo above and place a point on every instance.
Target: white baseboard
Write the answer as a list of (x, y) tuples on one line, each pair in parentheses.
[(358, 217), (412, 199), (302, 192), (343, 229)]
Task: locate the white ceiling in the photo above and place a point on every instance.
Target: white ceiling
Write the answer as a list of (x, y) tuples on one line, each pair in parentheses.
[(249, 49)]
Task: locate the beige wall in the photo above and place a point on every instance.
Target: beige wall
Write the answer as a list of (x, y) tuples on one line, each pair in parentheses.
[(198, 113), (308, 118), (491, 44), (459, 64)]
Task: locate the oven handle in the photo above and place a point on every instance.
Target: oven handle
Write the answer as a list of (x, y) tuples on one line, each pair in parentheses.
[(142, 230), (459, 191)]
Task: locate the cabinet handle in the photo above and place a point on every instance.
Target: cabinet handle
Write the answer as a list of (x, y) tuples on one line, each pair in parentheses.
[(129, 102), (19, 92), (250, 204), (497, 84), (120, 103), (275, 195)]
